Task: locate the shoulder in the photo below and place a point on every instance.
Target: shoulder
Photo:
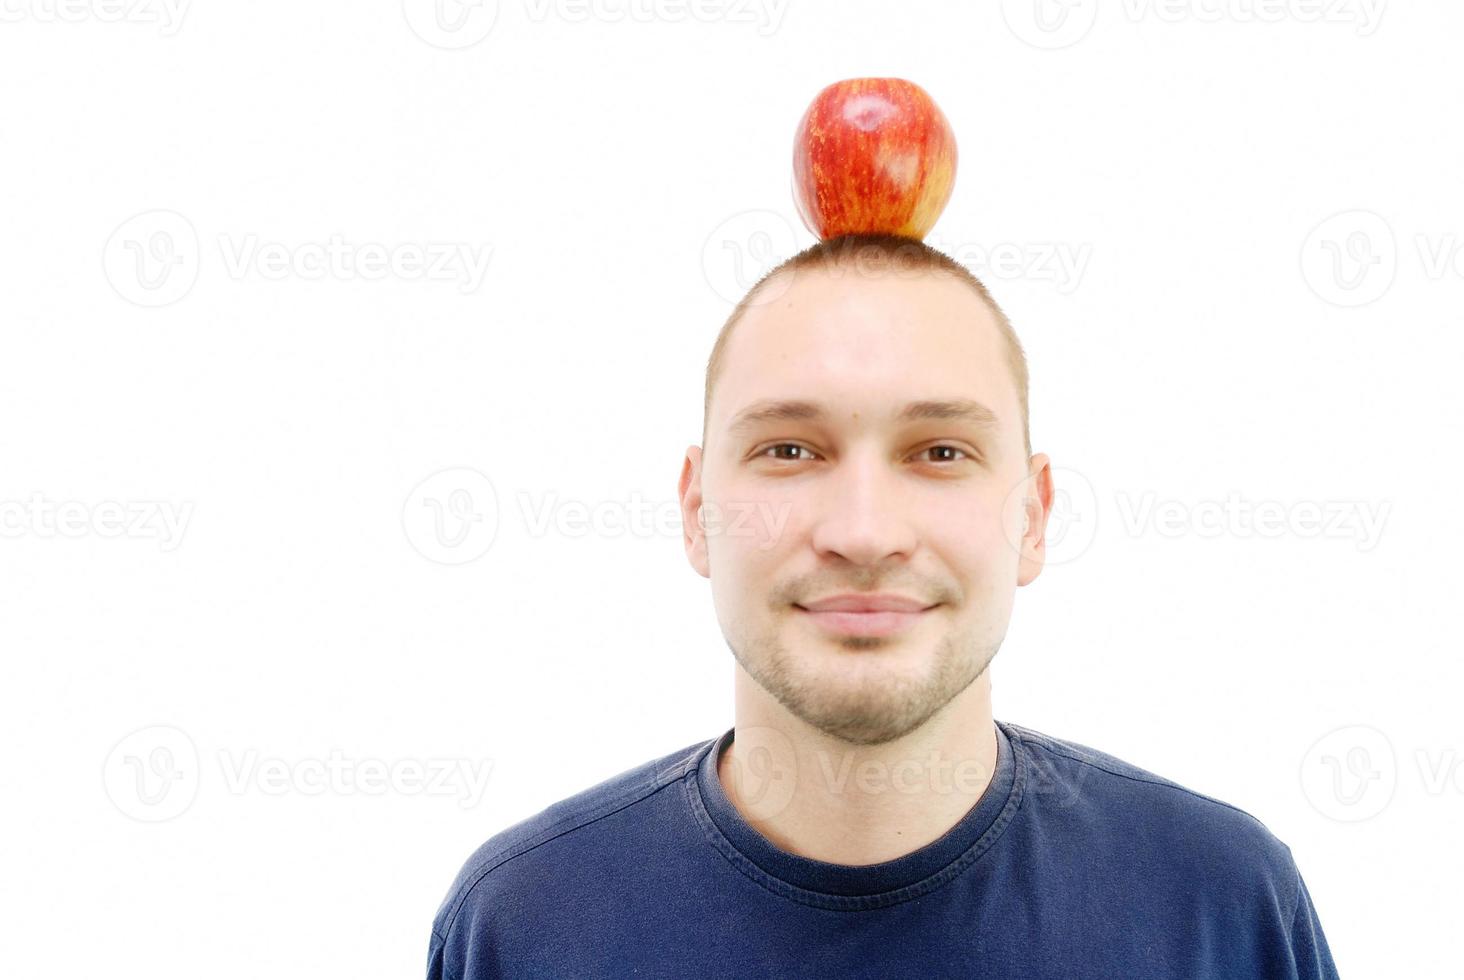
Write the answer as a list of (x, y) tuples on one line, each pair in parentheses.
[(574, 816), (1155, 821)]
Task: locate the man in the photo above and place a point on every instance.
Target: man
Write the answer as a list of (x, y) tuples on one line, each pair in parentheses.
[(865, 503)]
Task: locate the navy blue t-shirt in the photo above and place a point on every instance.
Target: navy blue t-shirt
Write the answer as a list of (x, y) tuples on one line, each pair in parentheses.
[(1073, 864)]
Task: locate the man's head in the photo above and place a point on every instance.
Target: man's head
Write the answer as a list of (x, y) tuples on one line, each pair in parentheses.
[(865, 431), (862, 254)]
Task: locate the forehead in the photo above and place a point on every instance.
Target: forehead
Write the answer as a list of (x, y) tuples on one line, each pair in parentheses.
[(850, 339)]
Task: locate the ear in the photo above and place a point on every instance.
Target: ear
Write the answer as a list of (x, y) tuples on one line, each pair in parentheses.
[(693, 527), (1036, 509)]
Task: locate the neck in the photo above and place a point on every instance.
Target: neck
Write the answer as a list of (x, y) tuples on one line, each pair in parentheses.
[(822, 798)]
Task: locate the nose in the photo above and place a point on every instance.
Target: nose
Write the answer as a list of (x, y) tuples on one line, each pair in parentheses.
[(861, 514)]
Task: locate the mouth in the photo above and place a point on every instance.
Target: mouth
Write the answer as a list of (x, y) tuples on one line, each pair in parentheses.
[(872, 622)]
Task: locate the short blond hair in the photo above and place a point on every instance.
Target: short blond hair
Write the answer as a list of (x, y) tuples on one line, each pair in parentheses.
[(906, 255)]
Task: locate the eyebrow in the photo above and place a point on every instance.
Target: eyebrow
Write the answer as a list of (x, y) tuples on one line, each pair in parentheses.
[(792, 410)]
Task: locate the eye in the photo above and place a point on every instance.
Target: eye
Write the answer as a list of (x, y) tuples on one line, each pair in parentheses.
[(954, 449), (785, 445), (771, 452)]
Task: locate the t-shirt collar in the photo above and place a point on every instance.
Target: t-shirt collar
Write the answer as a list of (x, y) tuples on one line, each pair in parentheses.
[(856, 886)]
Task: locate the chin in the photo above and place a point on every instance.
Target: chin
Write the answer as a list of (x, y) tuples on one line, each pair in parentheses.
[(874, 680), (871, 697)]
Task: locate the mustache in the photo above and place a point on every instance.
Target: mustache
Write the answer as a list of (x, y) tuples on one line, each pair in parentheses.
[(804, 591)]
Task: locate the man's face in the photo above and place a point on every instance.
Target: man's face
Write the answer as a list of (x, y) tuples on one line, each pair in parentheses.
[(860, 500)]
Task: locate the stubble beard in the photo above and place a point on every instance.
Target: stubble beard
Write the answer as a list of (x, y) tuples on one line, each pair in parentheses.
[(877, 707)]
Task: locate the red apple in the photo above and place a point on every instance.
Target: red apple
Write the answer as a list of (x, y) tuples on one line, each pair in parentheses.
[(873, 155)]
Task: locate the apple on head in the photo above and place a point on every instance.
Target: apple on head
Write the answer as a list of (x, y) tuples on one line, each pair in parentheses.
[(871, 156)]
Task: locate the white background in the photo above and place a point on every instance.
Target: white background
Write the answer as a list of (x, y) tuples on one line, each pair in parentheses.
[(1262, 204)]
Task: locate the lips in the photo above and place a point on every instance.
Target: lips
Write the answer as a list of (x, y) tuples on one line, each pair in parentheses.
[(865, 615), (866, 603)]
